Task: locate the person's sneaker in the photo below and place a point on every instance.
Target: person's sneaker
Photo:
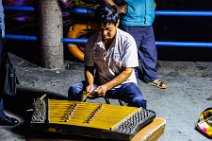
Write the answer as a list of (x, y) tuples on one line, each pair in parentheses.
[(8, 121)]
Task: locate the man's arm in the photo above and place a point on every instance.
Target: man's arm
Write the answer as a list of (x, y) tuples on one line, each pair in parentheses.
[(89, 76), (155, 4), (124, 75), (111, 2), (122, 8)]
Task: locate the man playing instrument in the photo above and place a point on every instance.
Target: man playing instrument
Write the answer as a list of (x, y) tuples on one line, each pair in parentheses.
[(110, 58)]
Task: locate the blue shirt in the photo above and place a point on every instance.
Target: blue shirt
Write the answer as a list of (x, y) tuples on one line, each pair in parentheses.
[(139, 13), (2, 18)]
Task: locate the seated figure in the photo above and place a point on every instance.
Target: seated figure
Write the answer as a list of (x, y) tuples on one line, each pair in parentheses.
[(110, 58)]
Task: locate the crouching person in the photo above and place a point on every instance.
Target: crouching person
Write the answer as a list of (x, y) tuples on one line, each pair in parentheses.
[(110, 58)]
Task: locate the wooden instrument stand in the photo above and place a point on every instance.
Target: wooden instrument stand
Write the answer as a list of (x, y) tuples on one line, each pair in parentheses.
[(151, 132)]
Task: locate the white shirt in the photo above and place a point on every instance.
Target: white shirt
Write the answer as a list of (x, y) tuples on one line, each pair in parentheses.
[(109, 63)]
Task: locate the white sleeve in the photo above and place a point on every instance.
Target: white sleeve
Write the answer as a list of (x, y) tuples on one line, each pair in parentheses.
[(130, 58), (88, 51)]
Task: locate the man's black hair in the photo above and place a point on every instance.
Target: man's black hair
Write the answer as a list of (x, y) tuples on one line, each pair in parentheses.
[(106, 13)]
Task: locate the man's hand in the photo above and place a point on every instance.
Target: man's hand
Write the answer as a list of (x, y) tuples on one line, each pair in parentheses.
[(101, 90), (123, 9), (111, 2), (89, 88)]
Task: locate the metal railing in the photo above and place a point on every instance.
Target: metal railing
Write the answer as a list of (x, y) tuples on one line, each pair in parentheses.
[(90, 11)]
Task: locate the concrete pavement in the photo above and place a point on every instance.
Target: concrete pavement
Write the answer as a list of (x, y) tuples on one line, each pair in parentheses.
[(189, 93)]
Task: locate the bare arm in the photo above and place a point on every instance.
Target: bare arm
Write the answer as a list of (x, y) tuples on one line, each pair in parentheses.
[(101, 90), (89, 76), (111, 2), (155, 4), (122, 8)]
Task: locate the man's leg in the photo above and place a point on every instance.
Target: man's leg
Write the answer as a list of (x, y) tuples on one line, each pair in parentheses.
[(1, 78), (4, 119), (76, 90), (148, 56), (129, 93), (147, 53), (1, 49), (1, 108)]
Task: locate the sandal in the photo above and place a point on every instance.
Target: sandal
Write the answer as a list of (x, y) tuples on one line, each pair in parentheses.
[(158, 83)]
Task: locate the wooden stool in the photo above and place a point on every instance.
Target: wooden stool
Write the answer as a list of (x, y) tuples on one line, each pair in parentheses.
[(121, 103)]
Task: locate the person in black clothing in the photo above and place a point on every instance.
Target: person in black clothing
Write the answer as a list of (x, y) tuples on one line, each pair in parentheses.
[(4, 119)]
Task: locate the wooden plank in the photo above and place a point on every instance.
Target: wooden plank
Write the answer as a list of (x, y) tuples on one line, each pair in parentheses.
[(151, 132)]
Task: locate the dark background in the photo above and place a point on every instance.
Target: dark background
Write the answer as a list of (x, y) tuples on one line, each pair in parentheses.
[(176, 28), (167, 28)]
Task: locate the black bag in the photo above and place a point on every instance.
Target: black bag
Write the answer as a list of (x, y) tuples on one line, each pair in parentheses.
[(10, 79)]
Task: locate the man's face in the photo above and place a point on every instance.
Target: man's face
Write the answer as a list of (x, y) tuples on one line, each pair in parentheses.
[(108, 31)]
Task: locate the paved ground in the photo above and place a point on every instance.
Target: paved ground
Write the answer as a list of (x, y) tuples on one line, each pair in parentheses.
[(189, 93)]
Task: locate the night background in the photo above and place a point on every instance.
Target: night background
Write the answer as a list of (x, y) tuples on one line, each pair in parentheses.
[(167, 28), (197, 29)]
